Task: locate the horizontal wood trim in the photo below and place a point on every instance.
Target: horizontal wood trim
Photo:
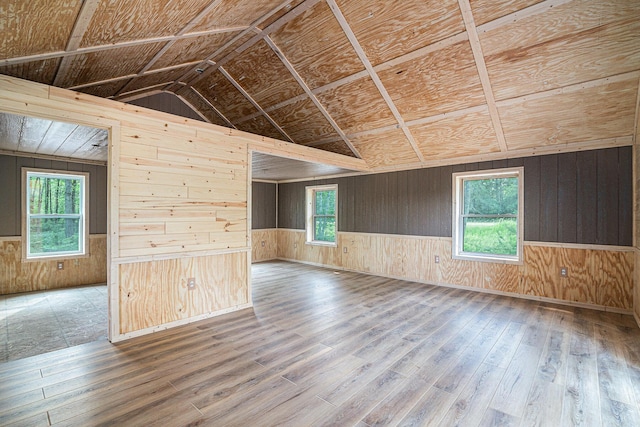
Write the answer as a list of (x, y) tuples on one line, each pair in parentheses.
[(177, 255)]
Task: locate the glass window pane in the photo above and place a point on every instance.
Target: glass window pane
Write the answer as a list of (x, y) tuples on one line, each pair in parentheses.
[(54, 235), (497, 236), (49, 195), (325, 229), (325, 202), (495, 196)]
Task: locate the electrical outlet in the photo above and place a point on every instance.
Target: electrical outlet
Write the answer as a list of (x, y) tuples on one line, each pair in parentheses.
[(262, 243), (191, 283), (295, 245), (437, 259), (564, 272), (60, 265), (344, 249)]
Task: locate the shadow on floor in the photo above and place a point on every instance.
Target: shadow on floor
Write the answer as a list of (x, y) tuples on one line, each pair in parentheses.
[(39, 322)]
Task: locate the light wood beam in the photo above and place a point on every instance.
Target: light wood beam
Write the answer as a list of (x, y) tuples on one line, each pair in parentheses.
[(374, 76), (476, 48), (311, 95), (527, 12), (218, 112), (80, 27), (253, 102)]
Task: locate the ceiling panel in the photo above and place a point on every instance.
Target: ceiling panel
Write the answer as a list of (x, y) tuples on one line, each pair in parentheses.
[(465, 135), (37, 71), (203, 107), (234, 13), (118, 21), (275, 168), (261, 126), (154, 79), (590, 114), (387, 29), (488, 10), (193, 49), (442, 81), (225, 97), (385, 149), (105, 90), (33, 27), (357, 106), (339, 147), (601, 46), (268, 84), (104, 65), (318, 48), (303, 122)]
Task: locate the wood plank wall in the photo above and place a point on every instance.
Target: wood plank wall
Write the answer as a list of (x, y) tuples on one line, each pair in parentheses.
[(17, 276), (10, 177), (583, 197), (177, 207), (597, 277), (264, 245)]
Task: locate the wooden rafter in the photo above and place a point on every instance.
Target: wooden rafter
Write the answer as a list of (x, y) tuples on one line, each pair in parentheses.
[(476, 48), (253, 102), (374, 76), (527, 12), (218, 112), (312, 96), (80, 27)]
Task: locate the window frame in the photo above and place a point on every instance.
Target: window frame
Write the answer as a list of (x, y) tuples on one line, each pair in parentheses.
[(458, 180), (27, 172), (310, 214)]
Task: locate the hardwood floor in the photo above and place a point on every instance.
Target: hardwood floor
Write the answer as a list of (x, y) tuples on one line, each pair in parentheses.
[(332, 348)]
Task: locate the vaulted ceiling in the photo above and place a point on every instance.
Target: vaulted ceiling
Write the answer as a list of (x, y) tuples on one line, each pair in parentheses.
[(397, 83)]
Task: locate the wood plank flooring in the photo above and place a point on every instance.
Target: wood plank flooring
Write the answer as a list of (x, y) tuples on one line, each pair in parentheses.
[(326, 348)]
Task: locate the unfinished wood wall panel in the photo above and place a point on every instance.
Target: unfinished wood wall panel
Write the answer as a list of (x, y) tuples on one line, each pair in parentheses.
[(303, 122), (268, 85), (596, 277), (450, 136), (155, 79), (122, 20), (225, 97), (193, 49), (97, 66), (357, 106), (318, 60), (385, 148), (442, 81), (594, 113), (105, 90), (203, 107), (488, 10), (261, 126), (38, 71), (386, 31), (231, 13), (30, 28), (339, 147), (264, 245), (17, 276)]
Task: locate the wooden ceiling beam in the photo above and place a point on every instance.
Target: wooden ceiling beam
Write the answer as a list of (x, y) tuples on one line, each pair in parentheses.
[(312, 96), (527, 12), (254, 102), (80, 27), (210, 105), (374, 76), (476, 48)]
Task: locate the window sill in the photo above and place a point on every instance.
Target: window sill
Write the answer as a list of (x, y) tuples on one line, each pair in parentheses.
[(56, 257), (488, 258), (321, 243)]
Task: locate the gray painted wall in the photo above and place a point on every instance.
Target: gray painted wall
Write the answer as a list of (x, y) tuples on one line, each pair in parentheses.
[(10, 197), (583, 197), (263, 205)]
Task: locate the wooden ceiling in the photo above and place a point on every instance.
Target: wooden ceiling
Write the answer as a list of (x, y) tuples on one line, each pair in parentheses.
[(401, 84)]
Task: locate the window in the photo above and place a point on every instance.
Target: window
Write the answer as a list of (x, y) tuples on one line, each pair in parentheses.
[(322, 221), (55, 222), (487, 215)]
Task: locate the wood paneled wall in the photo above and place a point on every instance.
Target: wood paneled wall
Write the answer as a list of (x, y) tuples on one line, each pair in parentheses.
[(597, 277), (168, 103), (177, 207), (263, 205), (17, 276), (10, 198), (264, 245), (583, 197)]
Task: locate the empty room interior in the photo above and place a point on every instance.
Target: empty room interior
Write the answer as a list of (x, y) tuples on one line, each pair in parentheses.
[(320, 212)]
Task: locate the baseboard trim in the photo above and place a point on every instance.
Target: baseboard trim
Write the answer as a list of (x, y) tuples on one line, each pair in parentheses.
[(486, 291)]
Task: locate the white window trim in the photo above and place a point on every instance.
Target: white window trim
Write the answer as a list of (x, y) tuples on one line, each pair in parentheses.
[(309, 225), (84, 233), (458, 179)]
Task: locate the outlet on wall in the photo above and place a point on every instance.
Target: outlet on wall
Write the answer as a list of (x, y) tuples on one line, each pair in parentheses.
[(437, 259), (344, 249), (564, 272), (191, 283), (60, 265), (262, 243)]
